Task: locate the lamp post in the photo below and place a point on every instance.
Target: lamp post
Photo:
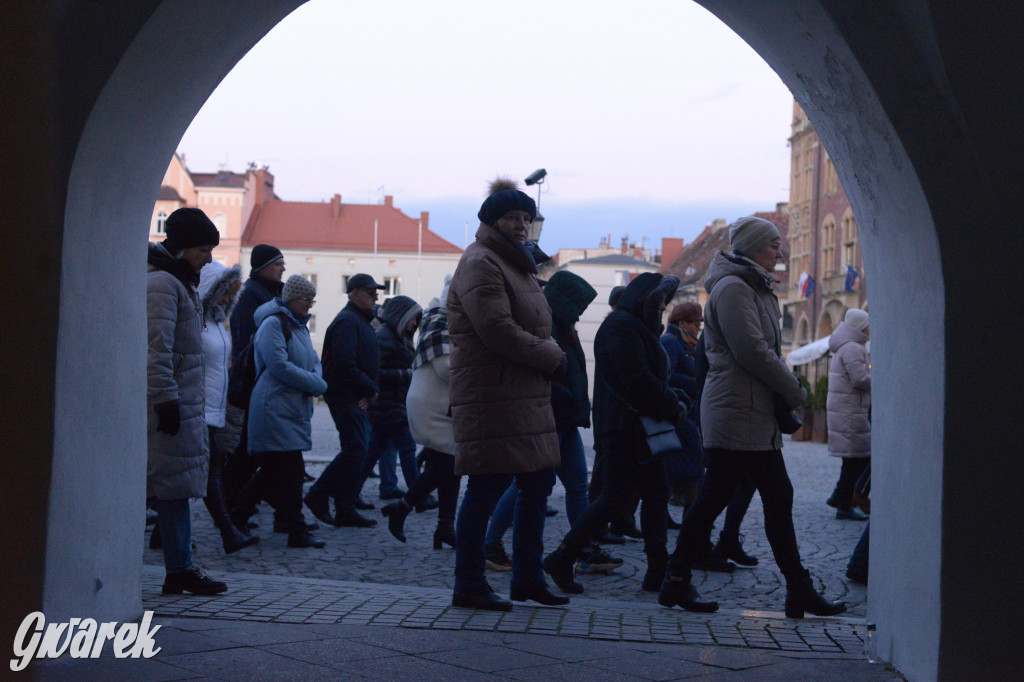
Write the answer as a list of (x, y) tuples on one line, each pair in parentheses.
[(536, 178)]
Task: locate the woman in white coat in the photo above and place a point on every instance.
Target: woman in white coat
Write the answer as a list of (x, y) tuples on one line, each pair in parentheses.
[(849, 408)]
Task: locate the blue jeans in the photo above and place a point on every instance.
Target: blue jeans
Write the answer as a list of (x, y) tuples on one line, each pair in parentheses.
[(383, 443), (482, 493), (343, 477), (175, 523), (858, 564), (572, 472)]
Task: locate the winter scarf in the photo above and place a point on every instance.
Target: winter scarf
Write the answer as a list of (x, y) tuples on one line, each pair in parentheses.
[(433, 341)]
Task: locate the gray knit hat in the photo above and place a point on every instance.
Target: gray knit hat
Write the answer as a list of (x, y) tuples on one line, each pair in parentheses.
[(749, 235), (297, 287), (856, 318)]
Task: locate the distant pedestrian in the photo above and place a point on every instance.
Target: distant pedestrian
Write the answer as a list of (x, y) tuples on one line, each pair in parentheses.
[(680, 341), (281, 407), (849, 407), (630, 382), (218, 289), (746, 377), (430, 422), (351, 367), (388, 416), (179, 454), (503, 360)]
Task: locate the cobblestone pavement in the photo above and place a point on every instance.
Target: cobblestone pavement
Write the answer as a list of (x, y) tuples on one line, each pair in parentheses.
[(373, 557)]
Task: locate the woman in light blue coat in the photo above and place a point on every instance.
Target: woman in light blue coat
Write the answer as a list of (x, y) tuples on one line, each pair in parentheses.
[(281, 406)]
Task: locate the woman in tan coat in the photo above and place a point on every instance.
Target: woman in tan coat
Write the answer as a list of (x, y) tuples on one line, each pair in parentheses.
[(502, 362)]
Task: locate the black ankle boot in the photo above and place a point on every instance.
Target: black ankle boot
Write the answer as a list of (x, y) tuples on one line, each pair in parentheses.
[(732, 550), (562, 569), (395, 513), (444, 534), (657, 567), (233, 538), (801, 596), (678, 591), (299, 537)]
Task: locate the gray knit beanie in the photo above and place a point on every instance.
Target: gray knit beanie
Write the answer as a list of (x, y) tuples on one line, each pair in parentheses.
[(749, 235), (297, 287)]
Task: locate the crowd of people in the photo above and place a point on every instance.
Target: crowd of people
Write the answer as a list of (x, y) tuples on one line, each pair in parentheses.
[(490, 381)]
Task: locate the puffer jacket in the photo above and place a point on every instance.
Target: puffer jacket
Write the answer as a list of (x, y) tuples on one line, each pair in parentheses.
[(502, 358), (177, 465), (396, 356), (745, 369), (849, 394), (351, 364), (568, 296), (428, 403), (631, 368), (288, 374), (215, 281)]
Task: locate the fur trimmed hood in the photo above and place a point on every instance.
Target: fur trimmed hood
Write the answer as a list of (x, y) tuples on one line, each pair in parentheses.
[(215, 281)]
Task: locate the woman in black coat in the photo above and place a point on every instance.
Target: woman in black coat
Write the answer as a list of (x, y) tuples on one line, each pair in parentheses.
[(630, 380)]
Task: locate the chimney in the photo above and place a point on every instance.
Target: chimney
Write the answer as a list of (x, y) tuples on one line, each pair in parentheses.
[(335, 206), (425, 219), (604, 243), (671, 248), (638, 251), (389, 201), (625, 246)]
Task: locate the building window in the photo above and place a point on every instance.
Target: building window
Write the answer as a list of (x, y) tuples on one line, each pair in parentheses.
[(161, 222), (831, 179), (221, 223), (312, 278), (849, 239), (828, 246), (311, 325), (392, 286), (344, 283)]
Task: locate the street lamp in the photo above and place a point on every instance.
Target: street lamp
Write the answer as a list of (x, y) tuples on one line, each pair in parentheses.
[(536, 178)]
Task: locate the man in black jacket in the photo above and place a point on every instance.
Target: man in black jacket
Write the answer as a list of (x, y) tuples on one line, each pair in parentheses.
[(264, 283), (351, 367)]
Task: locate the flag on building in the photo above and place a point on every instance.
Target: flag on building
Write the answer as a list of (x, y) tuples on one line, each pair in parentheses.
[(807, 285), (851, 277)]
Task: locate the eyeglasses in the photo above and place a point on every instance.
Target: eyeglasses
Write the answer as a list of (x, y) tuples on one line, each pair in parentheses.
[(310, 301)]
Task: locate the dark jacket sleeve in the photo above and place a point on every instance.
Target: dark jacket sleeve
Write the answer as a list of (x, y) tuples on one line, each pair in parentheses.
[(631, 376), (681, 371), (344, 366), (242, 324)]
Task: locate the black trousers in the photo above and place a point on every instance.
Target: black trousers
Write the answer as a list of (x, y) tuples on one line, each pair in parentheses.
[(725, 468), (852, 468), (282, 477), (623, 480), (438, 474)]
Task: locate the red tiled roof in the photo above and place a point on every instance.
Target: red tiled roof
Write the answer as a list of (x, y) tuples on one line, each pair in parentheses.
[(221, 179), (298, 225), (167, 193)]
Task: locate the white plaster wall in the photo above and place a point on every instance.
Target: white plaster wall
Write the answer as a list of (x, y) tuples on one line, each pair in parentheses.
[(96, 505)]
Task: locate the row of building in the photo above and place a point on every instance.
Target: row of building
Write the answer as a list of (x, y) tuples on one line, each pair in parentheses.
[(821, 277)]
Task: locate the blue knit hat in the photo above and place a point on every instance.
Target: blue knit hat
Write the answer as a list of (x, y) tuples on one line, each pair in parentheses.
[(505, 197)]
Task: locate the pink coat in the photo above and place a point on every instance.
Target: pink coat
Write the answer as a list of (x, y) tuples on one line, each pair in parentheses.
[(849, 394)]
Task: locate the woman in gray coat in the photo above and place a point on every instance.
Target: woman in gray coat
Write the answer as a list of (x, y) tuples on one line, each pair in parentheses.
[(849, 406), (178, 443), (746, 380), (281, 407)]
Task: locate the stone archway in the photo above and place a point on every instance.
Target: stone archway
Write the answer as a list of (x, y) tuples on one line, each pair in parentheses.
[(923, 148)]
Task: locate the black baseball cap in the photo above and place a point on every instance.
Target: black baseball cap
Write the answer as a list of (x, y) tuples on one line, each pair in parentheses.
[(362, 281)]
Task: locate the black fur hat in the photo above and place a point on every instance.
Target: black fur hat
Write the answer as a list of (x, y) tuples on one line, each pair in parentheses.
[(504, 197)]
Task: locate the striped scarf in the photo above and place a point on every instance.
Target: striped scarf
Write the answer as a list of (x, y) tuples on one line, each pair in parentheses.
[(433, 341)]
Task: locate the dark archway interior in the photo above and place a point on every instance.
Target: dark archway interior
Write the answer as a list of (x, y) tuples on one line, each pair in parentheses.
[(918, 103)]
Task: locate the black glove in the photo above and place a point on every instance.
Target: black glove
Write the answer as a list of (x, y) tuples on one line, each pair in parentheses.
[(169, 416), (563, 367)]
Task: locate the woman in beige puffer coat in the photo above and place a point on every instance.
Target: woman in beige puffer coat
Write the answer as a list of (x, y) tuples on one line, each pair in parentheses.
[(849, 408)]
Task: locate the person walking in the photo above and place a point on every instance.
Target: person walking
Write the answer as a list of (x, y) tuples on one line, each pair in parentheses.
[(178, 448), (849, 408), (400, 319), (746, 377), (568, 296), (266, 272), (281, 407), (503, 361), (430, 422), (218, 289), (630, 381), (351, 367)]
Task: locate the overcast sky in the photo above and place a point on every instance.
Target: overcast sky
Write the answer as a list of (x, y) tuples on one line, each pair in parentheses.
[(652, 118)]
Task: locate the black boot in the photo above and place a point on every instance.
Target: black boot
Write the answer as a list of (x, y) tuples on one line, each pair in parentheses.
[(444, 534), (299, 536), (320, 505), (540, 594), (710, 560), (732, 549), (395, 513), (232, 538), (561, 566), (677, 591), (801, 596), (657, 567), (194, 580)]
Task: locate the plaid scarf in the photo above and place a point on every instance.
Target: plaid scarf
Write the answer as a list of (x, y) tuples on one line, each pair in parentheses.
[(433, 341)]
